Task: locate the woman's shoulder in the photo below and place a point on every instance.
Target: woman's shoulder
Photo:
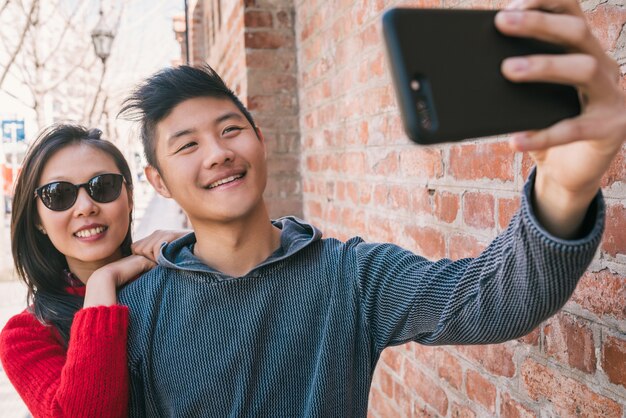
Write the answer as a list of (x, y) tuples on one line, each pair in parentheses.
[(24, 321), (21, 327)]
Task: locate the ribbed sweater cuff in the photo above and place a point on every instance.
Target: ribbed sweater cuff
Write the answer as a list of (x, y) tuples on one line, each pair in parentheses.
[(593, 225), (98, 322)]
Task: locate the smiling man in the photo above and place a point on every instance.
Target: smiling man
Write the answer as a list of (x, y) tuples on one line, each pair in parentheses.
[(252, 317)]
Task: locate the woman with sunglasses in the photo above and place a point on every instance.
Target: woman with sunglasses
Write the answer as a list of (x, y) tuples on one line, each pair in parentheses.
[(71, 243)]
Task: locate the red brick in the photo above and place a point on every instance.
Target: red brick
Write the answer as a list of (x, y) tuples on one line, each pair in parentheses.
[(385, 382), (606, 23), (285, 20), (257, 19), (354, 220), (617, 170), (602, 293), (510, 408), (449, 369), (480, 390), (365, 193), (527, 165), (463, 246), (314, 209), (385, 164), (447, 206), (461, 411), (381, 404), (260, 83), (403, 398), (421, 162), (270, 59), (399, 197), (478, 210), (427, 241), (477, 161), (497, 359), (614, 240), (567, 396), (570, 341), (614, 360), (426, 388), (422, 411), (353, 163), (379, 229), (531, 338), (421, 202), (506, 209), (268, 40), (424, 354), (394, 357)]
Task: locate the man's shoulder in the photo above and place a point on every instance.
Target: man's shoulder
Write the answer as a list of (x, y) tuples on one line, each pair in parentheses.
[(147, 284)]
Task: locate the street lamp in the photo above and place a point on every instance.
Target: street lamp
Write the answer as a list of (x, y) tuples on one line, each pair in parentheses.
[(102, 38)]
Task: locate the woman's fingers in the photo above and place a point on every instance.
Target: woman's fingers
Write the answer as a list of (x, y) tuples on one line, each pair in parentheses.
[(132, 266)]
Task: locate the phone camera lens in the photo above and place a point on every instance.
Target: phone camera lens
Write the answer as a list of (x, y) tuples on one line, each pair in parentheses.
[(423, 113)]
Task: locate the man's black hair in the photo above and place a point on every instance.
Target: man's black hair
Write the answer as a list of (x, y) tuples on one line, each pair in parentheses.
[(158, 95)]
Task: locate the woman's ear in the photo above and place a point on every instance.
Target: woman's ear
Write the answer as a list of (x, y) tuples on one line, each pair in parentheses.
[(41, 229)]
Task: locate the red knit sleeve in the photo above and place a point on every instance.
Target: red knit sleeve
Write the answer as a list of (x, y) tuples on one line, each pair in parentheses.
[(90, 379)]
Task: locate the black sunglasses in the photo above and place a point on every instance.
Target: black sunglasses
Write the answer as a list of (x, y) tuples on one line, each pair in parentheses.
[(61, 195)]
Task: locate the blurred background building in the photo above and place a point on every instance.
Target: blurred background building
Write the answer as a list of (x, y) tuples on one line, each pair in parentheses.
[(75, 61)]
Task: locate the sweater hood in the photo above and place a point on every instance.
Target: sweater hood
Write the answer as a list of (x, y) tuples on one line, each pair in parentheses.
[(296, 234)]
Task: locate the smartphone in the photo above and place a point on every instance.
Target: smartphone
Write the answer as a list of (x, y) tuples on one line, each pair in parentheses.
[(445, 66)]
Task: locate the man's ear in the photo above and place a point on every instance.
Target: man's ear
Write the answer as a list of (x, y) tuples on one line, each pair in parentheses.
[(259, 135), (155, 179)]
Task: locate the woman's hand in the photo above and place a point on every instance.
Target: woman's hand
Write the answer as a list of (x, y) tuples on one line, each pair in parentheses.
[(103, 283), (150, 246)]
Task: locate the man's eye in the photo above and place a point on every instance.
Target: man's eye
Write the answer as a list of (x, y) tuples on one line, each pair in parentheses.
[(232, 129), (186, 146)]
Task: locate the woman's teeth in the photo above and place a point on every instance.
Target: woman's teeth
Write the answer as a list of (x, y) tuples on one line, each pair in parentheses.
[(86, 233)]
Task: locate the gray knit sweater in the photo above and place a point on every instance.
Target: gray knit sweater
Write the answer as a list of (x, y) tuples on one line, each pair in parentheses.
[(300, 335)]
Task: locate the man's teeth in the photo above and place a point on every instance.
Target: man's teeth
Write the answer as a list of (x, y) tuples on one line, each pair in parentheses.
[(226, 180), (86, 233)]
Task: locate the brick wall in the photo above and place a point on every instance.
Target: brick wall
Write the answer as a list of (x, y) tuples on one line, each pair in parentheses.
[(361, 176)]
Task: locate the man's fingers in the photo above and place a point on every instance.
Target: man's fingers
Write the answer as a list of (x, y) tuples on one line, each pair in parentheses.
[(556, 6), (595, 79), (564, 132), (578, 69), (569, 31)]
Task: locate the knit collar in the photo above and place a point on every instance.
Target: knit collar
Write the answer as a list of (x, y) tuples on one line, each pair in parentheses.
[(74, 285)]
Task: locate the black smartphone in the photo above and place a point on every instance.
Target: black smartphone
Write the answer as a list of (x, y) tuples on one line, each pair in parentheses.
[(445, 67)]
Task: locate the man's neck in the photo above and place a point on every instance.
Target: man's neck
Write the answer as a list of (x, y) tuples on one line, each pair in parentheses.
[(235, 248)]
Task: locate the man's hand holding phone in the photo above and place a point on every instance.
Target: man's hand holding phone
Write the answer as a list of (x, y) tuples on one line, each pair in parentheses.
[(573, 154)]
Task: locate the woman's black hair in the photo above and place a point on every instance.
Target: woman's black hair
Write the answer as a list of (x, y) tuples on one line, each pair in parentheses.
[(37, 261)]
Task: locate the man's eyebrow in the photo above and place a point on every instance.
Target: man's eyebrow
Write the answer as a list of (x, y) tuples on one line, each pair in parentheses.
[(229, 115), (178, 134)]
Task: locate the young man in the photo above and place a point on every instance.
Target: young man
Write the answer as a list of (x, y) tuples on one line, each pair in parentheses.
[(253, 317)]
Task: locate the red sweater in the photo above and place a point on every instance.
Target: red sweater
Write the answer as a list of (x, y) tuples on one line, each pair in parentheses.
[(89, 378)]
